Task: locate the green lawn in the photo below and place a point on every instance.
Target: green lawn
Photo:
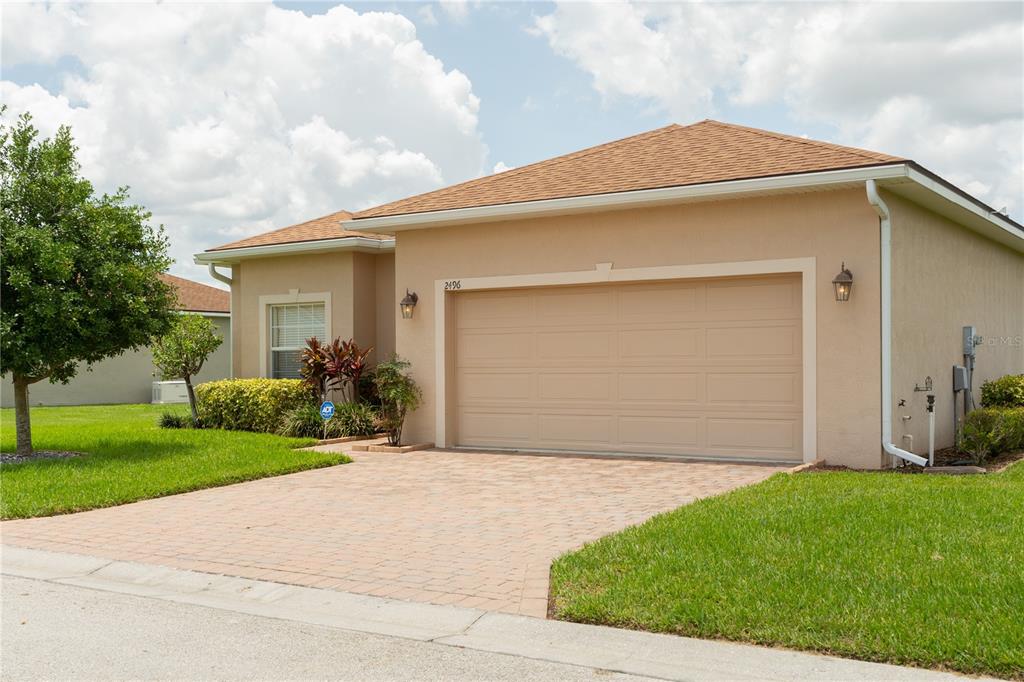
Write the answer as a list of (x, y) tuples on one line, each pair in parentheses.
[(909, 569), (129, 458)]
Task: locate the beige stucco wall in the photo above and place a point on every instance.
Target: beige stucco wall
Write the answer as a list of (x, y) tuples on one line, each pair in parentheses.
[(126, 378), (351, 279), (829, 226), (387, 306), (944, 278)]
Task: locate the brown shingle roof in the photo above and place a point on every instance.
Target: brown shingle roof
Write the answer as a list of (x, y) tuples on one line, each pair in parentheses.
[(199, 298), (324, 227), (672, 156)]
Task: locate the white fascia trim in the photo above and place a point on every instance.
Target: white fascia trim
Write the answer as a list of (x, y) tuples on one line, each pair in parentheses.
[(604, 272), (228, 256), (412, 221), (960, 200)]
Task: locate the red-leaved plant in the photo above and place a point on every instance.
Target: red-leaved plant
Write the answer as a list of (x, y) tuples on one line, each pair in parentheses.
[(313, 369), (339, 365), (345, 367)]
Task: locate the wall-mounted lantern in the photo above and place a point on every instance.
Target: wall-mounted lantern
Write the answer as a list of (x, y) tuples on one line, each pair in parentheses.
[(843, 284), (408, 303)]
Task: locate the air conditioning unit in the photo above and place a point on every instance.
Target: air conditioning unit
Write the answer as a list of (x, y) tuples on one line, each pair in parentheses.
[(169, 392)]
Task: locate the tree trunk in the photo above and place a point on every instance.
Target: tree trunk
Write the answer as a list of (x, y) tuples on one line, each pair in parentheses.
[(22, 422), (192, 401)]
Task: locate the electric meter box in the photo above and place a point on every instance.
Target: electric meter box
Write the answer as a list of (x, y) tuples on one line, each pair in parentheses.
[(969, 335), (959, 378)]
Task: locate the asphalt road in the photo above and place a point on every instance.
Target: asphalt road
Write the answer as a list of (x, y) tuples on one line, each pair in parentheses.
[(61, 632)]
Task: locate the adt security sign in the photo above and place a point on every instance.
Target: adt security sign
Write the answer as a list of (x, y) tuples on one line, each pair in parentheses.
[(327, 410)]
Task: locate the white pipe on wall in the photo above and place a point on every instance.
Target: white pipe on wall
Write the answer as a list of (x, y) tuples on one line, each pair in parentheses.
[(220, 277), (886, 257), (212, 269), (931, 438)]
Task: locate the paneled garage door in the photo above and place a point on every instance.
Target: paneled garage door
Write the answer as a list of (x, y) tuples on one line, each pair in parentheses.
[(695, 367)]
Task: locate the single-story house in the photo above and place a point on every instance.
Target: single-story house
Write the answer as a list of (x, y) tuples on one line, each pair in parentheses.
[(708, 290), (128, 378), (305, 280)]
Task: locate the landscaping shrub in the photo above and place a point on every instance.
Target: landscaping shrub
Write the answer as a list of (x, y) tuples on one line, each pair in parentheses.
[(305, 421), (398, 394), (1007, 391), (987, 432), (355, 419), (313, 368), (249, 404), (173, 420), (350, 419), (339, 365), (368, 388)]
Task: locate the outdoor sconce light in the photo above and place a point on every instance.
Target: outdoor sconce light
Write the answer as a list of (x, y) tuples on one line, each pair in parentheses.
[(408, 303), (842, 284)]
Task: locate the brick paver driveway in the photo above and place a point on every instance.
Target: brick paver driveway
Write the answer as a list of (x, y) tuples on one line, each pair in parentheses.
[(473, 529)]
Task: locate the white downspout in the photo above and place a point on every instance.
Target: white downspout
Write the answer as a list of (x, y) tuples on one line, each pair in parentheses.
[(886, 247), (220, 277)]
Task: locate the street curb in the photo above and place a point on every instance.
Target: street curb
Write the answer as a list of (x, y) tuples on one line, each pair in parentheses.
[(626, 651)]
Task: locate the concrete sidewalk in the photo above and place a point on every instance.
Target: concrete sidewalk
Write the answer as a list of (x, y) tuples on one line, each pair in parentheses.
[(108, 636), (592, 647)]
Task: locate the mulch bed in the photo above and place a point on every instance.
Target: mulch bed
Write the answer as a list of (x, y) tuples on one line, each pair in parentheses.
[(11, 458)]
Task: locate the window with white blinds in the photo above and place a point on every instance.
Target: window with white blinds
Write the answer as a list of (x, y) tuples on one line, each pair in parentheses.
[(290, 325)]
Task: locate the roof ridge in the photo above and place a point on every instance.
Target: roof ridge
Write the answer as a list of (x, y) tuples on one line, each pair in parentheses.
[(333, 221), (866, 153), (304, 222), (570, 156), (312, 220)]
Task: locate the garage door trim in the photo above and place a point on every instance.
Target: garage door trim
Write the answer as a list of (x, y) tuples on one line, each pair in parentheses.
[(605, 273)]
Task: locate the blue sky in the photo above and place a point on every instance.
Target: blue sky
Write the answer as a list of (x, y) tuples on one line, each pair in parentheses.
[(231, 119), (534, 103)]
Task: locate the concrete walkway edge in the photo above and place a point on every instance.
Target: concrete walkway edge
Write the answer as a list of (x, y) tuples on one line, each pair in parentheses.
[(626, 651)]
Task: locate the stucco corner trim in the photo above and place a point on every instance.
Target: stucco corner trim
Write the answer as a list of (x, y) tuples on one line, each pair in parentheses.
[(294, 296), (605, 272)]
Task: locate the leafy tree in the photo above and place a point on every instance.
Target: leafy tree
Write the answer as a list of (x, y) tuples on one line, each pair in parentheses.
[(181, 352), (79, 271), (398, 395)]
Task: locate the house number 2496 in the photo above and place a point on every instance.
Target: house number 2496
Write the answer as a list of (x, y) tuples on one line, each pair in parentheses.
[(453, 285)]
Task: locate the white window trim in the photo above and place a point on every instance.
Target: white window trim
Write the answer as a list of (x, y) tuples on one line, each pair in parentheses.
[(279, 299), (603, 272)]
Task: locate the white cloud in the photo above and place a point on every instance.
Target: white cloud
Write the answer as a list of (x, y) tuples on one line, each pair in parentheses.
[(940, 83), (426, 15), (457, 10), (230, 119), (501, 167)]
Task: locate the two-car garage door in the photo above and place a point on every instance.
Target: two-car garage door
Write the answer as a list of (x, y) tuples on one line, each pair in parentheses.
[(693, 367)]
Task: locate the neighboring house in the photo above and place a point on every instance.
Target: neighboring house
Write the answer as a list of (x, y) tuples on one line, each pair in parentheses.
[(128, 378), (668, 293)]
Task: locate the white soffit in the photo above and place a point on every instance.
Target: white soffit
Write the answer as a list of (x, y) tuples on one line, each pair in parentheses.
[(356, 244)]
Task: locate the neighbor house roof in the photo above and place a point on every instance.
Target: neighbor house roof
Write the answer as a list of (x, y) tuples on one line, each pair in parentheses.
[(705, 152), (324, 227), (199, 298)]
